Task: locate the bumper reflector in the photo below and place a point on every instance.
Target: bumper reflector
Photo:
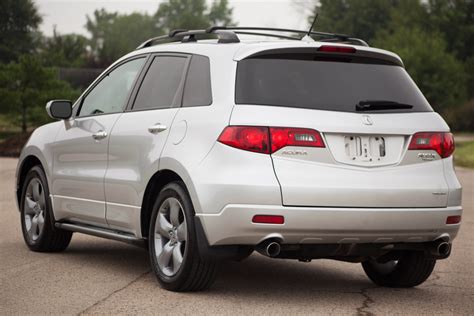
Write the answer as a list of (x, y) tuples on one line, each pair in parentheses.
[(268, 219), (455, 219)]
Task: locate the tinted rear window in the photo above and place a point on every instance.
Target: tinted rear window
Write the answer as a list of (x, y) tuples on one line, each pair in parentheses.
[(324, 85), (197, 90), (160, 88)]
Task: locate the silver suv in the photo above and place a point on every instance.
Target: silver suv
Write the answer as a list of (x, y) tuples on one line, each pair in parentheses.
[(205, 150)]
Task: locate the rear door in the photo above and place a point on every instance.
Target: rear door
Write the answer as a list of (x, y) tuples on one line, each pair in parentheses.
[(139, 136), (365, 161)]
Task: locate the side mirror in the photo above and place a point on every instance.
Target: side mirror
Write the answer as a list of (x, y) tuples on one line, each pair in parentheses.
[(59, 109)]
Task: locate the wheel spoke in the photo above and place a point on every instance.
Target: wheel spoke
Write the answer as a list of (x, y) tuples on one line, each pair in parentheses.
[(40, 222), (165, 255), (29, 205), (34, 227), (36, 191), (177, 257), (163, 226), (182, 232), (174, 212)]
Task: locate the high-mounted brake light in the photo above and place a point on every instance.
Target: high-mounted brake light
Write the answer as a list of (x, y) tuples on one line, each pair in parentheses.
[(337, 49), (268, 140), (442, 143)]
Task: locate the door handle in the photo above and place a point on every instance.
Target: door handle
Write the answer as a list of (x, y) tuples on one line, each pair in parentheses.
[(155, 129), (99, 135)]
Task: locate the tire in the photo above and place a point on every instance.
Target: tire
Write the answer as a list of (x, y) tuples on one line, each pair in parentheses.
[(412, 269), (173, 247), (37, 220)]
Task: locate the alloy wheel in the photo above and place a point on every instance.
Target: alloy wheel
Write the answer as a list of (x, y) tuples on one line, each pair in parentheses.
[(170, 236), (34, 209)]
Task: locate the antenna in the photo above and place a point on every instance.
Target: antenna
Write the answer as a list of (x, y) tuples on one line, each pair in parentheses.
[(312, 25)]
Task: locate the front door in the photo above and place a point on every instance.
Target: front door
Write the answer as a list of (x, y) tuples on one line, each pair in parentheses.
[(80, 150)]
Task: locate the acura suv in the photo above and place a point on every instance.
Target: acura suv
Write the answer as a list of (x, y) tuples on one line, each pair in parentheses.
[(203, 147)]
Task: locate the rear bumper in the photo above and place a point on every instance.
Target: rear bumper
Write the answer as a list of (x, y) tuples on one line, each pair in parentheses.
[(304, 225)]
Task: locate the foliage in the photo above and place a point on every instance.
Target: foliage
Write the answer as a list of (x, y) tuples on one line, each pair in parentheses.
[(435, 38), (360, 18), (464, 154), (437, 72), (113, 34), (26, 86), (192, 14), (19, 20), (68, 50)]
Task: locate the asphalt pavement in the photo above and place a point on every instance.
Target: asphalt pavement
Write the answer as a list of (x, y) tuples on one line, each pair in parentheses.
[(98, 276)]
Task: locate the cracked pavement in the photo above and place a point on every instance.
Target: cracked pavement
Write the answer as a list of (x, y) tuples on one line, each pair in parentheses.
[(98, 276)]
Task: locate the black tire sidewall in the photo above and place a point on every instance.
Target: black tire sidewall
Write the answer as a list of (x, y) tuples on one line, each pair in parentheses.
[(36, 173), (176, 190)]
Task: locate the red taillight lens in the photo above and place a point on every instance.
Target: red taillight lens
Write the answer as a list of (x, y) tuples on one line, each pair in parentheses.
[(337, 49), (442, 143), (268, 140), (268, 219), (455, 219), (252, 138), (284, 136)]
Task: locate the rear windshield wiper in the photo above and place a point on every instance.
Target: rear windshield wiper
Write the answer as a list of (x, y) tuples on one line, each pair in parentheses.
[(380, 105)]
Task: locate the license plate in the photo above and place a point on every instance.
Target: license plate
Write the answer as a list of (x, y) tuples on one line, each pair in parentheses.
[(365, 148)]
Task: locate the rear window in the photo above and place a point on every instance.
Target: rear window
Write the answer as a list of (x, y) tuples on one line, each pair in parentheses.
[(324, 84)]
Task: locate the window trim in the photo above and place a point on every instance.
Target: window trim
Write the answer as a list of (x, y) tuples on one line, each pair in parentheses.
[(180, 91), (99, 80)]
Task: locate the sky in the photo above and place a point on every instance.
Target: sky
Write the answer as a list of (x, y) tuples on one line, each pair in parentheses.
[(69, 16)]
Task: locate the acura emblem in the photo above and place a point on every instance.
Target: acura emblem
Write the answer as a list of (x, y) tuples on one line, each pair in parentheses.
[(367, 120)]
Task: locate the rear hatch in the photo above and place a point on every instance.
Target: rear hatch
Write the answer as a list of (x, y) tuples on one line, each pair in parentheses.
[(366, 110)]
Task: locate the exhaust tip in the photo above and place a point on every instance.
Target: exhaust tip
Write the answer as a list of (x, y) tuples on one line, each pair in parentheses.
[(273, 249), (444, 249)]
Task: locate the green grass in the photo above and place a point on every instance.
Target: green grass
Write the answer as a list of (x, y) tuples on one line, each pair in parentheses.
[(464, 154)]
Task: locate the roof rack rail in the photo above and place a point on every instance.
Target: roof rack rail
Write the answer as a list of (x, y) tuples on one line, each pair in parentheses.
[(228, 34), (184, 36), (332, 37)]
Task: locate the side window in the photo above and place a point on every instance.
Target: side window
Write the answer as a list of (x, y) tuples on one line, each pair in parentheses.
[(160, 88), (110, 94), (197, 90)]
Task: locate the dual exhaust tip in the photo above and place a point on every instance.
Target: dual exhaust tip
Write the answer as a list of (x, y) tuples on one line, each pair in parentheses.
[(272, 248)]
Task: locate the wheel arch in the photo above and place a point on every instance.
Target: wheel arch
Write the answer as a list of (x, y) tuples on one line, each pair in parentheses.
[(157, 182), (25, 165)]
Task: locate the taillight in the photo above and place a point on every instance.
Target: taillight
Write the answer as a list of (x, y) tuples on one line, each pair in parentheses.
[(442, 143), (337, 49), (251, 138), (302, 137), (268, 140)]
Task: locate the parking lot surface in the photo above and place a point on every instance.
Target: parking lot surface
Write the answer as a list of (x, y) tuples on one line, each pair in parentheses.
[(98, 276)]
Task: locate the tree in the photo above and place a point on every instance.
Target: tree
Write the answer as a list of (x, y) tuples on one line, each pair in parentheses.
[(19, 20), (26, 86), (69, 50), (192, 14), (437, 72), (113, 34), (359, 18)]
